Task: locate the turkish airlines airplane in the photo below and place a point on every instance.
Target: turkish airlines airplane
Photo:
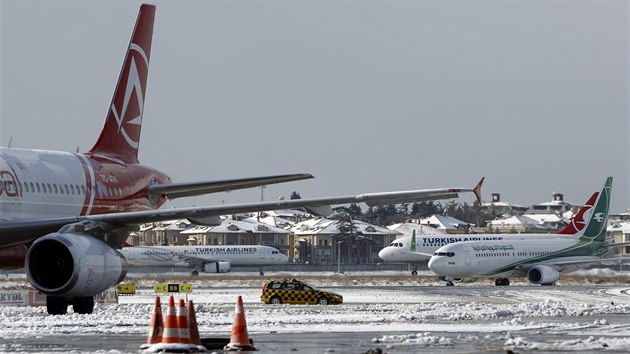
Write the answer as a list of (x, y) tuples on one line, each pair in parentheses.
[(540, 260), (418, 250), (208, 259), (64, 215)]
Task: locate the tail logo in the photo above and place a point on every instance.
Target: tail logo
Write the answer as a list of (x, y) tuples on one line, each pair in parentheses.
[(133, 84), (599, 217)]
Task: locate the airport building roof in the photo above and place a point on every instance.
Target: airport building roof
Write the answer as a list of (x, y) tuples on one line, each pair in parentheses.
[(323, 226), (407, 228)]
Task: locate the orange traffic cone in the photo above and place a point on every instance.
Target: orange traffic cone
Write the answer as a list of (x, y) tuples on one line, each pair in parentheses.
[(157, 324), (239, 340), (182, 322), (171, 329), (193, 329)]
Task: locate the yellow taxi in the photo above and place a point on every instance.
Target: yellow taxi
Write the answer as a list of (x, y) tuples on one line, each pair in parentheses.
[(293, 291)]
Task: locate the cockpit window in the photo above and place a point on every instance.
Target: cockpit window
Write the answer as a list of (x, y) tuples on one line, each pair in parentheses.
[(445, 254)]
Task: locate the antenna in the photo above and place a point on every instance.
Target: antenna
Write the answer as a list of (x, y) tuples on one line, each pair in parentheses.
[(10, 141)]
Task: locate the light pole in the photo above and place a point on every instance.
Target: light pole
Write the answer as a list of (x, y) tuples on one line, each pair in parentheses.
[(339, 257)]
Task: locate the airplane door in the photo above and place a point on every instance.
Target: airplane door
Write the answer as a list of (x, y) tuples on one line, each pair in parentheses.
[(467, 256)]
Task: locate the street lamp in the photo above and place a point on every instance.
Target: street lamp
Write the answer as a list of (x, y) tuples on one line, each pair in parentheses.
[(339, 257)]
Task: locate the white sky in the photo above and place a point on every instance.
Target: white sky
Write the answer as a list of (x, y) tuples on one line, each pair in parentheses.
[(367, 96)]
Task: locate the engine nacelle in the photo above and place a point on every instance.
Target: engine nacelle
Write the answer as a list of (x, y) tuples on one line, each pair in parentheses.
[(69, 265), (216, 267), (543, 274)]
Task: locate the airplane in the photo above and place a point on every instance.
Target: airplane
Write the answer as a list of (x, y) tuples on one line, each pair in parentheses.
[(64, 215), (418, 250), (208, 259), (540, 260)]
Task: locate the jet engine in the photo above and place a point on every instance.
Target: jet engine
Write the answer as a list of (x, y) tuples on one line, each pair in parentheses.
[(216, 267), (543, 274), (73, 266)]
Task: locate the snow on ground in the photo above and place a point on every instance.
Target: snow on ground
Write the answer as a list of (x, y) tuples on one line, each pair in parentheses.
[(393, 305)]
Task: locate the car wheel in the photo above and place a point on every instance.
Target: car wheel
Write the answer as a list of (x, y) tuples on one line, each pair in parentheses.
[(322, 301), (275, 300)]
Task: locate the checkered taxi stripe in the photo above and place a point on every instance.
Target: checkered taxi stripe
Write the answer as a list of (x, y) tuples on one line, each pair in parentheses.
[(293, 295)]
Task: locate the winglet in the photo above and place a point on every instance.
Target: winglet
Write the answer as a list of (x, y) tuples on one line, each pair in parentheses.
[(477, 190)]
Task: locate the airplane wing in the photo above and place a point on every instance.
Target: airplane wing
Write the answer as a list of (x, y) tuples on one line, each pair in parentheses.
[(561, 264), (193, 261), (179, 190), (24, 231)]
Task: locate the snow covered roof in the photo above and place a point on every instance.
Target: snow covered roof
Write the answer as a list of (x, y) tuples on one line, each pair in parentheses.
[(325, 226), (274, 221), (444, 222), (233, 226), (407, 228)]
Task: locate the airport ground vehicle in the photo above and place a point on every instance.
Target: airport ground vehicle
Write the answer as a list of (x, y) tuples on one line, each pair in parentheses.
[(293, 291)]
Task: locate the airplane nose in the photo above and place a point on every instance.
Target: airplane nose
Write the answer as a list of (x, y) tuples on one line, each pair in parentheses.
[(382, 254), (435, 264)]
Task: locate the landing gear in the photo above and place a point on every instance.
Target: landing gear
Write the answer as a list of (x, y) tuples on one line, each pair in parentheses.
[(194, 273), (56, 305), (261, 273), (83, 305), (448, 280), (414, 271), (502, 282)]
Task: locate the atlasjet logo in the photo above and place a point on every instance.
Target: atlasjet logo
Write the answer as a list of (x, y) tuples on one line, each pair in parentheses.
[(599, 217), (133, 83)]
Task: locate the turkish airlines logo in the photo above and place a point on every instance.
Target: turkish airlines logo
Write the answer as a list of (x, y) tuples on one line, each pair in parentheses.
[(133, 84)]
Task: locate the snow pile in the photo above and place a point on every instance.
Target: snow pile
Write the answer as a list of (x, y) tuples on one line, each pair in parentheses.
[(425, 339), (578, 345)]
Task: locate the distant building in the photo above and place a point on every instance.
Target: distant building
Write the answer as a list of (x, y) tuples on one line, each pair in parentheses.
[(529, 223), (619, 232), (557, 205), (326, 241), (407, 228), (446, 224), (498, 207)]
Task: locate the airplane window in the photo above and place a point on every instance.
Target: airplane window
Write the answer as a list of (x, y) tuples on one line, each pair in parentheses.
[(32, 189), (26, 186), (72, 189), (450, 254), (66, 188), (55, 188)]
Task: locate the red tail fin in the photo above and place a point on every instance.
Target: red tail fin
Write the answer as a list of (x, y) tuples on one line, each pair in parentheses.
[(577, 224), (120, 137)]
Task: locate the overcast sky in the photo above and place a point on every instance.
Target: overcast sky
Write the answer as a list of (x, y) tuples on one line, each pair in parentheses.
[(367, 96)]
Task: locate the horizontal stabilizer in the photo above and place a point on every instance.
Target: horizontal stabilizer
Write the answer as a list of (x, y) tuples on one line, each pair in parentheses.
[(179, 190)]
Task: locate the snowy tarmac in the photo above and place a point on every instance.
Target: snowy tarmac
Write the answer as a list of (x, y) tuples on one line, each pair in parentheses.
[(398, 314)]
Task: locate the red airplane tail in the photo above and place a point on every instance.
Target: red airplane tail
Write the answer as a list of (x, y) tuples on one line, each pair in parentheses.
[(120, 137), (577, 224)]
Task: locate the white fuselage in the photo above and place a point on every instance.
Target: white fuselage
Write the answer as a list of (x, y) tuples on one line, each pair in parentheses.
[(399, 250), (38, 184), (43, 184), (185, 256), (506, 258)]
